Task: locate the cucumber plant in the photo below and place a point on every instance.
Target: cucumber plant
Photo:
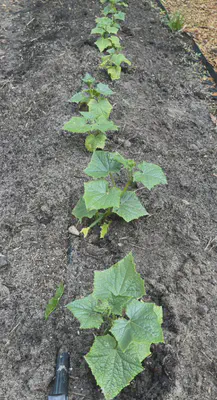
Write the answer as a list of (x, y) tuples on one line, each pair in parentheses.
[(112, 63), (111, 8), (95, 123), (103, 197), (92, 91), (127, 325), (107, 28)]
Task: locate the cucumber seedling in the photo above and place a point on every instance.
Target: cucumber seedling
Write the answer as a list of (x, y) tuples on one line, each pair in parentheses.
[(112, 63), (107, 28), (95, 123), (92, 91), (103, 197), (128, 326)]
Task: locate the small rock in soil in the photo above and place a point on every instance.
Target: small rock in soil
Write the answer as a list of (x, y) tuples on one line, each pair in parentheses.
[(3, 261), (73, 230), (127, 144)]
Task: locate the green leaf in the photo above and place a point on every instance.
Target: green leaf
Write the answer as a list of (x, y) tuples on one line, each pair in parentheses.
[(130, 207), (103, 89), (120, 16), (100, 107), (110, 9), (80, 211), (104, 125), (77, 125), (119, 284), (142, 350), (84, 311), (97, 31), (150, 176), (113, 369), (127, 163), (79, 98), (115, 41), (112, 29), (114, 72), (102, 164), (98, 195), (85, 231), (104, 229), (103, 43), (94, 142), (117, 59), (53, 303), (142, 327), (88, 79)]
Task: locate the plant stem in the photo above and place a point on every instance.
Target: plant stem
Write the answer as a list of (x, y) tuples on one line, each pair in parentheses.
[(126, 187)]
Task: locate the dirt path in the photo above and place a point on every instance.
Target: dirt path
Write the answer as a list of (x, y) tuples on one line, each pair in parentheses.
[(164, 117)]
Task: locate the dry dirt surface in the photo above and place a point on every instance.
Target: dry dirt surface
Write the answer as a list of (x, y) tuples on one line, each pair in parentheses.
[(163, 111), (200, 18)]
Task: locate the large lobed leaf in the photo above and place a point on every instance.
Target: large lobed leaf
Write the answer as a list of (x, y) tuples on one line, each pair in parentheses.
[(130, 207), (143, 326), (102, 164), (100, 107), (80, 211), (85, 311), (98, 195), (112, 368), (118, 284), (150, 175)]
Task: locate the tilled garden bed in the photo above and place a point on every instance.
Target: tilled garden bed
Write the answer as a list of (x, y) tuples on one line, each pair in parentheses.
[(163, 113)]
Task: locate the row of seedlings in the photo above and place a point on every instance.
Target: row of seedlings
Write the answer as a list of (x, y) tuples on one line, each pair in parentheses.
[(127, 326)]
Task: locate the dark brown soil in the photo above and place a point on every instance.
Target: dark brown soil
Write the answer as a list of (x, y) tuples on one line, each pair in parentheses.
[(163, 112)]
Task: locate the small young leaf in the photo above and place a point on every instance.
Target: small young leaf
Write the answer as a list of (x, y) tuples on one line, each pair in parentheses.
[(79, 98), (102, 164), (85, 231), (113, 369), (103, 43), (97, 31), (127, 163), (112, 29), (80, 211), (103, 89), (130, 207), (119, 284), (117, 59), (142, 326), (77, 125), (150, 176), (114, 72), (88, 79), (120, 16), (104, 229), (53, 303), (94, 142), (98, 195), (100, 107), (102, 124), (84, 311), (115, 41), (110, 9)]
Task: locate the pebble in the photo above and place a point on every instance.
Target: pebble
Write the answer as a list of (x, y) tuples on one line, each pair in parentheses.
[(73, 230), (3, 261), (127, 144)]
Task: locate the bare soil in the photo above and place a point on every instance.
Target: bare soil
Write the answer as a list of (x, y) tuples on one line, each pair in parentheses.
[(163, 111)]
